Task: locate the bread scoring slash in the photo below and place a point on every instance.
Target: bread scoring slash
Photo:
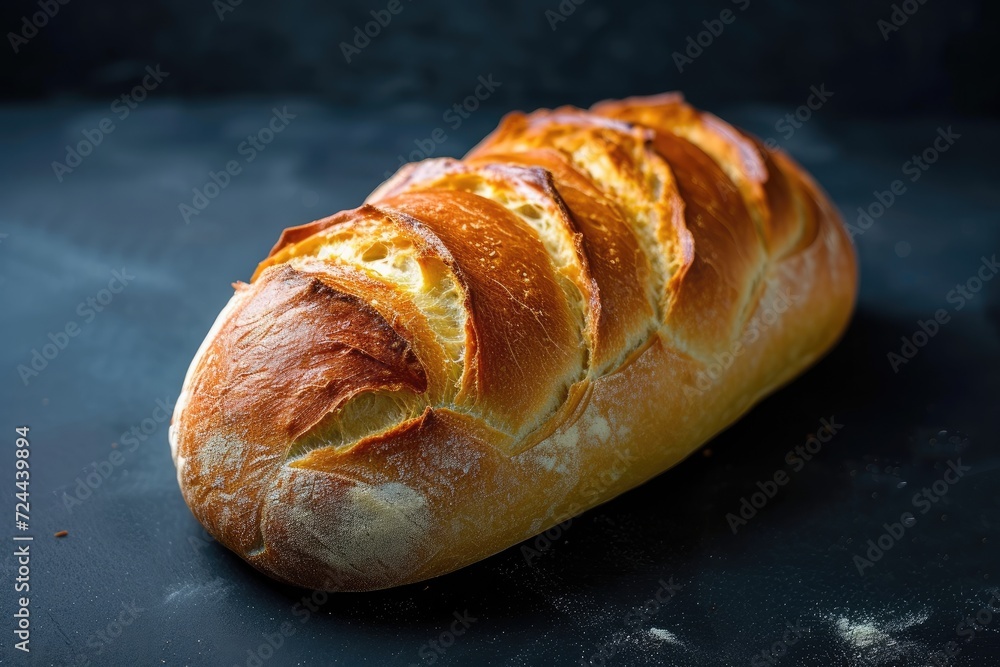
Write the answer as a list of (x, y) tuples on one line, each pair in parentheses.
[(491, 345)]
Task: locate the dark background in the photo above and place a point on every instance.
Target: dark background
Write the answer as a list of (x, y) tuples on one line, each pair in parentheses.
[(132, 540), (943, 59)]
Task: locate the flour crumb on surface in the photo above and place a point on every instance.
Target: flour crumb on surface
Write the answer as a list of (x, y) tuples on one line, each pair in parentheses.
[(665, 636), (861, 634), (216, 588), (874, 637)]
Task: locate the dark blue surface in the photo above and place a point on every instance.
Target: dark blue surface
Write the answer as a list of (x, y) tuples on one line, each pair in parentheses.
[(928, 58), (133, 541)]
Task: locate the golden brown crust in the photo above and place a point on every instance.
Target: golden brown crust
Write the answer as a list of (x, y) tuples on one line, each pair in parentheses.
[(731, 150), (617, 159), (492, 345), (528, 193), (316, 347), (622, 305), (516, 309), (710, 302)]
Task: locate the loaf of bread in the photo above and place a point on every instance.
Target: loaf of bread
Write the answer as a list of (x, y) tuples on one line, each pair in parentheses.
[(489, 346)]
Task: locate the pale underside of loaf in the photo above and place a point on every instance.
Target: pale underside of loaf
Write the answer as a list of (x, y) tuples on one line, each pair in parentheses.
[(490, 345)]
